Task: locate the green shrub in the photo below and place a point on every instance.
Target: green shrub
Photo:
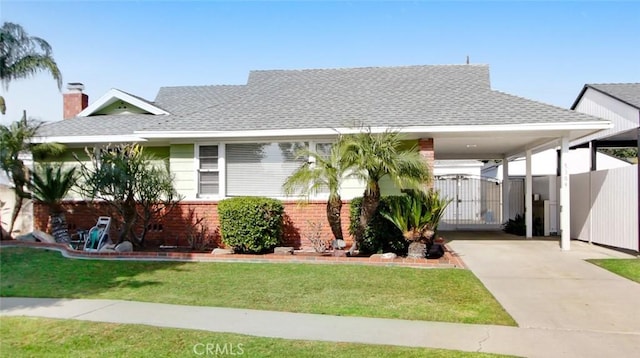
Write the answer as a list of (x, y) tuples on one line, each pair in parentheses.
[(381, 235), (251, 224), (417, 214), (515, 226)]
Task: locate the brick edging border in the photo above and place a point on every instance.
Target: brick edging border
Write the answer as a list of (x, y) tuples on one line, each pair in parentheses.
[(449, 260)]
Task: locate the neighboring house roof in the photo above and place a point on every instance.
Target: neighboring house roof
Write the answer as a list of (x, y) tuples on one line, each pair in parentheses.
[(444, 98), (628, 93)]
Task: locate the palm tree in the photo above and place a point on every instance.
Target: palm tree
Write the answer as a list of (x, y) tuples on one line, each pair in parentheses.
[(373, 156), (22, 56), (50, 185), (417, 214), (15, 140), (322, 172)]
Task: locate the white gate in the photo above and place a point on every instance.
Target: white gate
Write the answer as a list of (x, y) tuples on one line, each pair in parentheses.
[(476, 202), (604, 207)]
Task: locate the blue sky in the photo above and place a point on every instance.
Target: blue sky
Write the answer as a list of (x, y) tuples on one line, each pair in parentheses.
[(544, 51)]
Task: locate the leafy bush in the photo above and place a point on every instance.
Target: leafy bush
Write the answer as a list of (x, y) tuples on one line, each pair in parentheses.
[(417, 214), (515, 226), (381, 235), (251, 224)]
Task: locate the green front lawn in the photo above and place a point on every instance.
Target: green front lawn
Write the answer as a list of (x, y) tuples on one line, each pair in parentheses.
[(448, 295), (42, 337), (629, 268)]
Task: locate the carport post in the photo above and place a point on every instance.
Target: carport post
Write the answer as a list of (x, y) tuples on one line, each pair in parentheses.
[(505, 189), (565, 198), (528, 197)]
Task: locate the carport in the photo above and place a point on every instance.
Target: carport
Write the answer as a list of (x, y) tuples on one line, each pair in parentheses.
[(508, 142)]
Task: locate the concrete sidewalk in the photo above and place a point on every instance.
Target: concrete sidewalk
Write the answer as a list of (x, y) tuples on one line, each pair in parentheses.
[(526, 342)]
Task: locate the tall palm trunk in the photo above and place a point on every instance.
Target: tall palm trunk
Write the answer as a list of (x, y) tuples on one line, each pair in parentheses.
[(334, 206), (58, 223), (370, 203), (19, 175), (14, 213)]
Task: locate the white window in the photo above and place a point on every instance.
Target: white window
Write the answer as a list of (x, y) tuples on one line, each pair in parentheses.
[(208, 170), (324, 149), (260, 169)]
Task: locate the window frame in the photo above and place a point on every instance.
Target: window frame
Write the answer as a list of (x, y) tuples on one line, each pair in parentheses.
[(222, 166), (221, 170), (314, 145), (268, 141)]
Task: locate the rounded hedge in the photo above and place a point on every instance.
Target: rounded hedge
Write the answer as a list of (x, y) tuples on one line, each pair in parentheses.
[(251, 224)]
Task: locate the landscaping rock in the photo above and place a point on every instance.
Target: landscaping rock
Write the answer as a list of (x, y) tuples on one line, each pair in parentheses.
[(124, 246), (285, 250), (26, 237), (417, 250), (339, 253), (43, 237), (219, 251), (389, 255), (386, 256), (108, 248)]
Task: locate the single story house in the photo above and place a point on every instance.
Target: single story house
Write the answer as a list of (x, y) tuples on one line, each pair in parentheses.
[(237, 140)]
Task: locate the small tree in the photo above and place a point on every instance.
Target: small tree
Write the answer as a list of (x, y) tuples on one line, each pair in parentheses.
[(323, 172), (15, 141), (130, 182), (50, 185), (373, 156)]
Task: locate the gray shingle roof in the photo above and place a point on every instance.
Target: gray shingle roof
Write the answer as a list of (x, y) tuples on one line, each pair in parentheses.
[(329, 98), (626, 92), (100, 125), (184, 100)]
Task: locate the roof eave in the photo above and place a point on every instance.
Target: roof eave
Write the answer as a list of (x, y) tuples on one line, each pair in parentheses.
[(443, 130), (89, 139)]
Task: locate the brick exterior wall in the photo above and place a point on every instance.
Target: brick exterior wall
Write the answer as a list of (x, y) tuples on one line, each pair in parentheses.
[(172, 229), (73, 103), (427, 151)]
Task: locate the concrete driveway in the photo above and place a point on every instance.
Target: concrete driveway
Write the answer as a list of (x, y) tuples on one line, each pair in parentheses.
[(544, 287)]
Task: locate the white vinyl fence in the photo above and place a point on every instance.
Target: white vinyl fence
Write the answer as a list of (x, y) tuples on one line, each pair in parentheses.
[(604, 207)]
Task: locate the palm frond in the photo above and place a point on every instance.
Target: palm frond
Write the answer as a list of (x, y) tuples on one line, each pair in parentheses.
[(320, 172), (22, 56), (32, 64), (51, 183)]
